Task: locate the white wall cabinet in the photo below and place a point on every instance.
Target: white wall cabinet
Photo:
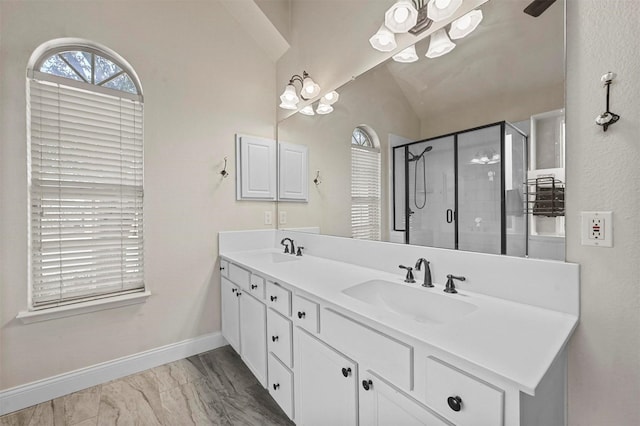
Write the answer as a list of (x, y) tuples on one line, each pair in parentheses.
[(293, 172), (325, 380), (256, 168)]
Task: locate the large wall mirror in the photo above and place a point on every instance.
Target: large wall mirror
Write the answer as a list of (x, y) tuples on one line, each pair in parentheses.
[(467, 149)]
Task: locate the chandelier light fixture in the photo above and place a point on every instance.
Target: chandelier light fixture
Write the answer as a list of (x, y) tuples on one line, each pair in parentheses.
[(465, 25), (289, 98)]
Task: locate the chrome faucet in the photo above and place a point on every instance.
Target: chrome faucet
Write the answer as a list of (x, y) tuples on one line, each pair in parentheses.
[(427, 282), (286, 246), (451, 287), (409, 278)]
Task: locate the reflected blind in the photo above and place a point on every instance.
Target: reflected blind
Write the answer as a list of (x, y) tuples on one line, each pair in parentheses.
[(86, 193), (365, 193)]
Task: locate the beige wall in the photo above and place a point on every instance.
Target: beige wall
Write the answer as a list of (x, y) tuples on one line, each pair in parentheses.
[(198, 72), (328, 137), (603, 174)]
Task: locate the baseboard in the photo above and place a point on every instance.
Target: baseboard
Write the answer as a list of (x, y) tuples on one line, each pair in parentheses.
[(33, 393)]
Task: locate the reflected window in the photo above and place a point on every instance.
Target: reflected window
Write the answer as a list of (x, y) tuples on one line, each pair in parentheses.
[(365, 184)]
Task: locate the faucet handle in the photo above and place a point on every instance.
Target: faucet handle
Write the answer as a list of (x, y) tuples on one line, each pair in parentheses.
[(299, 252), (450, 287), (286, 248), (409, 278)]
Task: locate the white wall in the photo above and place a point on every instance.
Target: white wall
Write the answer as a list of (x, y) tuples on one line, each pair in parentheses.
[(603, 174), (198, 71)]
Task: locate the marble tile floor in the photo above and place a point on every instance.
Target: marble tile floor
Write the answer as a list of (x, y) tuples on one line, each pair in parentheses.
[(212, 388)]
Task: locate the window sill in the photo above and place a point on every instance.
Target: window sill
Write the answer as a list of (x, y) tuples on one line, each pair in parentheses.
[(28, 317)]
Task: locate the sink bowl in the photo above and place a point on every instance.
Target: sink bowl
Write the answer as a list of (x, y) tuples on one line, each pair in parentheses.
[(281, 257), (416, 303)]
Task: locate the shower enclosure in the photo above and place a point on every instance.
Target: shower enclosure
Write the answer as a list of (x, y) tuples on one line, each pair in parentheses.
[(465, 190)]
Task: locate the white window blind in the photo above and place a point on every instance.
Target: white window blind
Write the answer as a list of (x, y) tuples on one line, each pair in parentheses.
[(86, 194), (365, 193)]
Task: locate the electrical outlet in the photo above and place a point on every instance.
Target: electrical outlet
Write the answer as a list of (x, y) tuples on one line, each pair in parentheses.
[(268, 219), (283, 218), (597, 229)]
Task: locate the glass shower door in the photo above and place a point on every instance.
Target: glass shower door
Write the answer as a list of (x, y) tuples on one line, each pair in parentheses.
[(480, 190), (430, 193)]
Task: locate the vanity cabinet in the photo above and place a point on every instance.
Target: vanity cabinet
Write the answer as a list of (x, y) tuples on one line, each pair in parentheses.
[(244, 325), (326, 383)]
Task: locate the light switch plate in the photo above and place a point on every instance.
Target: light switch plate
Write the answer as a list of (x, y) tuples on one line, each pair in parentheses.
[(597, 229)]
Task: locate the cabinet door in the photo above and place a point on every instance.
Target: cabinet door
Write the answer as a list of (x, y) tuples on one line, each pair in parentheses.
[(381, 404), (253, 336), (230, 313), (255, 168), (293, 172), (326, 388)]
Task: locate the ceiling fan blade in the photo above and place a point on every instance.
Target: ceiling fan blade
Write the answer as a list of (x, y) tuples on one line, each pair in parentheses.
[(536, 7)]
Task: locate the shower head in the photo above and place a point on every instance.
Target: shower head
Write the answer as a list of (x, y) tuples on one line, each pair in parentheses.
[(413, 157)]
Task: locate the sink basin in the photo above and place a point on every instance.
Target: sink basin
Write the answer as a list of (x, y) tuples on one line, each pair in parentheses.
[(416, 303), (281, 257)]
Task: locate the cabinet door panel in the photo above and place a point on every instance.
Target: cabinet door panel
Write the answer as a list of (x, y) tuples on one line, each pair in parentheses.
[(230, 314), (324, 395), (253, 336), (384, 405)]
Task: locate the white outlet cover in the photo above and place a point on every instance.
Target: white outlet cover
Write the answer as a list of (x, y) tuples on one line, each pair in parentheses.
[(606, 233)]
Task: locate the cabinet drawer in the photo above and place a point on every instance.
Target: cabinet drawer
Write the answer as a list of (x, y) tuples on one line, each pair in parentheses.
[(281, 385), (385, 355), (306, 314), (239, 276), (279, 337), (479, 402), (279, 298), (224, 268), (256, 286)]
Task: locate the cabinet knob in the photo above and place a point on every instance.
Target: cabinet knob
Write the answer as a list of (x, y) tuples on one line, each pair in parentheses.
[(367, 384), (274, 298), (222, 268), (346, 372), (254, 286), (276, 386), (274, 338), (238, 294), (301, 314), (233, 290), (455, 403)]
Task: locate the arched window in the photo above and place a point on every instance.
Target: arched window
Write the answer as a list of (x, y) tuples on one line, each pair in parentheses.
[(85, 121), (365, 184)]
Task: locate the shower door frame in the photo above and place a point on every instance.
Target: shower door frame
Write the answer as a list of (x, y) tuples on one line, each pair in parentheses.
[(503, 211)]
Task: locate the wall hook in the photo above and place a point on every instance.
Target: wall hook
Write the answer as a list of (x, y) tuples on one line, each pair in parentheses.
[(607, 118), (317, 180), (224, 171)]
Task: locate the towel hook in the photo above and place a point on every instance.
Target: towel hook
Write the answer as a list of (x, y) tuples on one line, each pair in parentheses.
[(607, 118), (317, 180), (224, 171)]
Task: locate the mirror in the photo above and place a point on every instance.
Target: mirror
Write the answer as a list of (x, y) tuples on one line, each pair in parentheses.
[(510, 69)]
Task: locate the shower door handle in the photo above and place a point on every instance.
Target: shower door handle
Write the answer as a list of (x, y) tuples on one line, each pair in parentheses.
[(450, 216)]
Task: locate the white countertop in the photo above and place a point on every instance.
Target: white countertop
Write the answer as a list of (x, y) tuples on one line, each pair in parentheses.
[(515, 341)]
